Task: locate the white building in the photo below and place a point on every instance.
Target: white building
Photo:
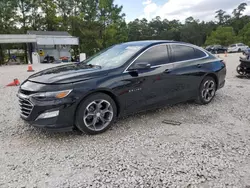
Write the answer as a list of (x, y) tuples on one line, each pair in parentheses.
[(52, 43)]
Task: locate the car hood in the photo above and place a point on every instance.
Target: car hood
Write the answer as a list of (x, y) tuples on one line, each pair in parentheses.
[(69, 73)]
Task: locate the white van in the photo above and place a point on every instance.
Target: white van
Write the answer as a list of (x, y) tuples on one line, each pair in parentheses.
[(237, 48)]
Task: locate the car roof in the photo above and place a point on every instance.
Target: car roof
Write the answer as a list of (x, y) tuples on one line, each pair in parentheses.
[(153, 42), (238, 44)]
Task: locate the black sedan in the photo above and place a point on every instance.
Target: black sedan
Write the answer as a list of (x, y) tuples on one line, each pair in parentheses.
[(120, 80), (216, 49)]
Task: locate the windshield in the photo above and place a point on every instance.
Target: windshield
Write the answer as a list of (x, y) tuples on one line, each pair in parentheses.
[(114, 56)]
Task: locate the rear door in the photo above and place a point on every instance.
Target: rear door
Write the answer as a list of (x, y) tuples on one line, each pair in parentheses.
[(188, 64)]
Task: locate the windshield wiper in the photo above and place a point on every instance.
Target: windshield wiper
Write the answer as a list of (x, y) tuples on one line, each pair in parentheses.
[(90, 65)]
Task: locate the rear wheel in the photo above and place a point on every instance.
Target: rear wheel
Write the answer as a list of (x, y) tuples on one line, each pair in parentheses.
[(96, 114), (239, 50), (207, 90)]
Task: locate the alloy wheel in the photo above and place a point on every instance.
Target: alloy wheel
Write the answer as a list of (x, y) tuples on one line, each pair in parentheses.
[(98, 115), (208, 91)]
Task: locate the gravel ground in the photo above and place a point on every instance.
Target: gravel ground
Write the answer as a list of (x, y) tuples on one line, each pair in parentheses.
[(211, 148)]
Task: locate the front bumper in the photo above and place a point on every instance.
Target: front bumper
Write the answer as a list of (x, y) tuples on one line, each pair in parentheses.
[(34, 115), (50, 124)]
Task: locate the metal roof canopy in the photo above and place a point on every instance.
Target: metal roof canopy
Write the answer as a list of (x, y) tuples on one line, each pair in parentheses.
[(56, 40), (4, 39), (39, 39)]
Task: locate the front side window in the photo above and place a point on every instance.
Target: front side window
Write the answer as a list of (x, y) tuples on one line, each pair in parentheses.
[(157, 55)]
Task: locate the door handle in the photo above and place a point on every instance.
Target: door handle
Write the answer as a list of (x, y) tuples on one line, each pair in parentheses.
[(199, 65), (167, 71)]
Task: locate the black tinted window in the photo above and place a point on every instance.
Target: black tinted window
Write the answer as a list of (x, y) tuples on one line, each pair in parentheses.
[(155, 56), (199, 53), (182, 53)]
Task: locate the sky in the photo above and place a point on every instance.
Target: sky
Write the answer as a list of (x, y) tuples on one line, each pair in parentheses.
[(178, 9)]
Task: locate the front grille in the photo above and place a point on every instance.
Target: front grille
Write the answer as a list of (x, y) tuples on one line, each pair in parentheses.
[(26, 92), (25, 106)]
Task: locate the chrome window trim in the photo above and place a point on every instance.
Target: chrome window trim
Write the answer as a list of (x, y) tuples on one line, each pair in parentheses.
[(165, 44)]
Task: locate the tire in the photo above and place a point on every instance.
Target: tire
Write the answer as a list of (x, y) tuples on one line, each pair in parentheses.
[(207, 90), (239, 50), (96, 114), (240, 70)]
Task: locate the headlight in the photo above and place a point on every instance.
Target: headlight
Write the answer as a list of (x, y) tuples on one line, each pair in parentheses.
[(52, 95)]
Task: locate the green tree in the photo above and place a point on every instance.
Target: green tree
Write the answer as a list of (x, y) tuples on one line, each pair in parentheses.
[(8, 8), (24, 6), (220, 16), (193, 32), (108, 14), (239, 10), (244, 34), (50, 20), (35, 18), (223, 35), (227, 19), (239, 21), (134, 30)]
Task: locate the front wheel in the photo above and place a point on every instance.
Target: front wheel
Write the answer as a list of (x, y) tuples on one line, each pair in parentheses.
[(207, 90), (96, 114), (240, 70)]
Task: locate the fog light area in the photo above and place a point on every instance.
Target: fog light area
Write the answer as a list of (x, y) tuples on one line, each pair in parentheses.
[(48, 115)]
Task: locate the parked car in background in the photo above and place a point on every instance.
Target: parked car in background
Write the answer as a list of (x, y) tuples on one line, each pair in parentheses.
[(49, 59), (208, 48), (239, 47), (120, 80), (216, 49), (246, 52)]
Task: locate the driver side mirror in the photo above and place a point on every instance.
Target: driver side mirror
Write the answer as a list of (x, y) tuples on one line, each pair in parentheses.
[(140, 65)]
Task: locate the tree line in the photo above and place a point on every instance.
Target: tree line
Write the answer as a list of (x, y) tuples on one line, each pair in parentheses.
[(101, 23)]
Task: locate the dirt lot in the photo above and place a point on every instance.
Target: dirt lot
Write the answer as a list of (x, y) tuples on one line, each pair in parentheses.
[(211, 148)]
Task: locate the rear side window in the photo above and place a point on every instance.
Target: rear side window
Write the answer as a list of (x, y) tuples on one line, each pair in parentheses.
[(184, 53), (157, 55), (199, 54)]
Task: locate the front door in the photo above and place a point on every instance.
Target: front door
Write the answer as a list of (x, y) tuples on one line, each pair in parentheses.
[(151, 86), (132, 94)]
